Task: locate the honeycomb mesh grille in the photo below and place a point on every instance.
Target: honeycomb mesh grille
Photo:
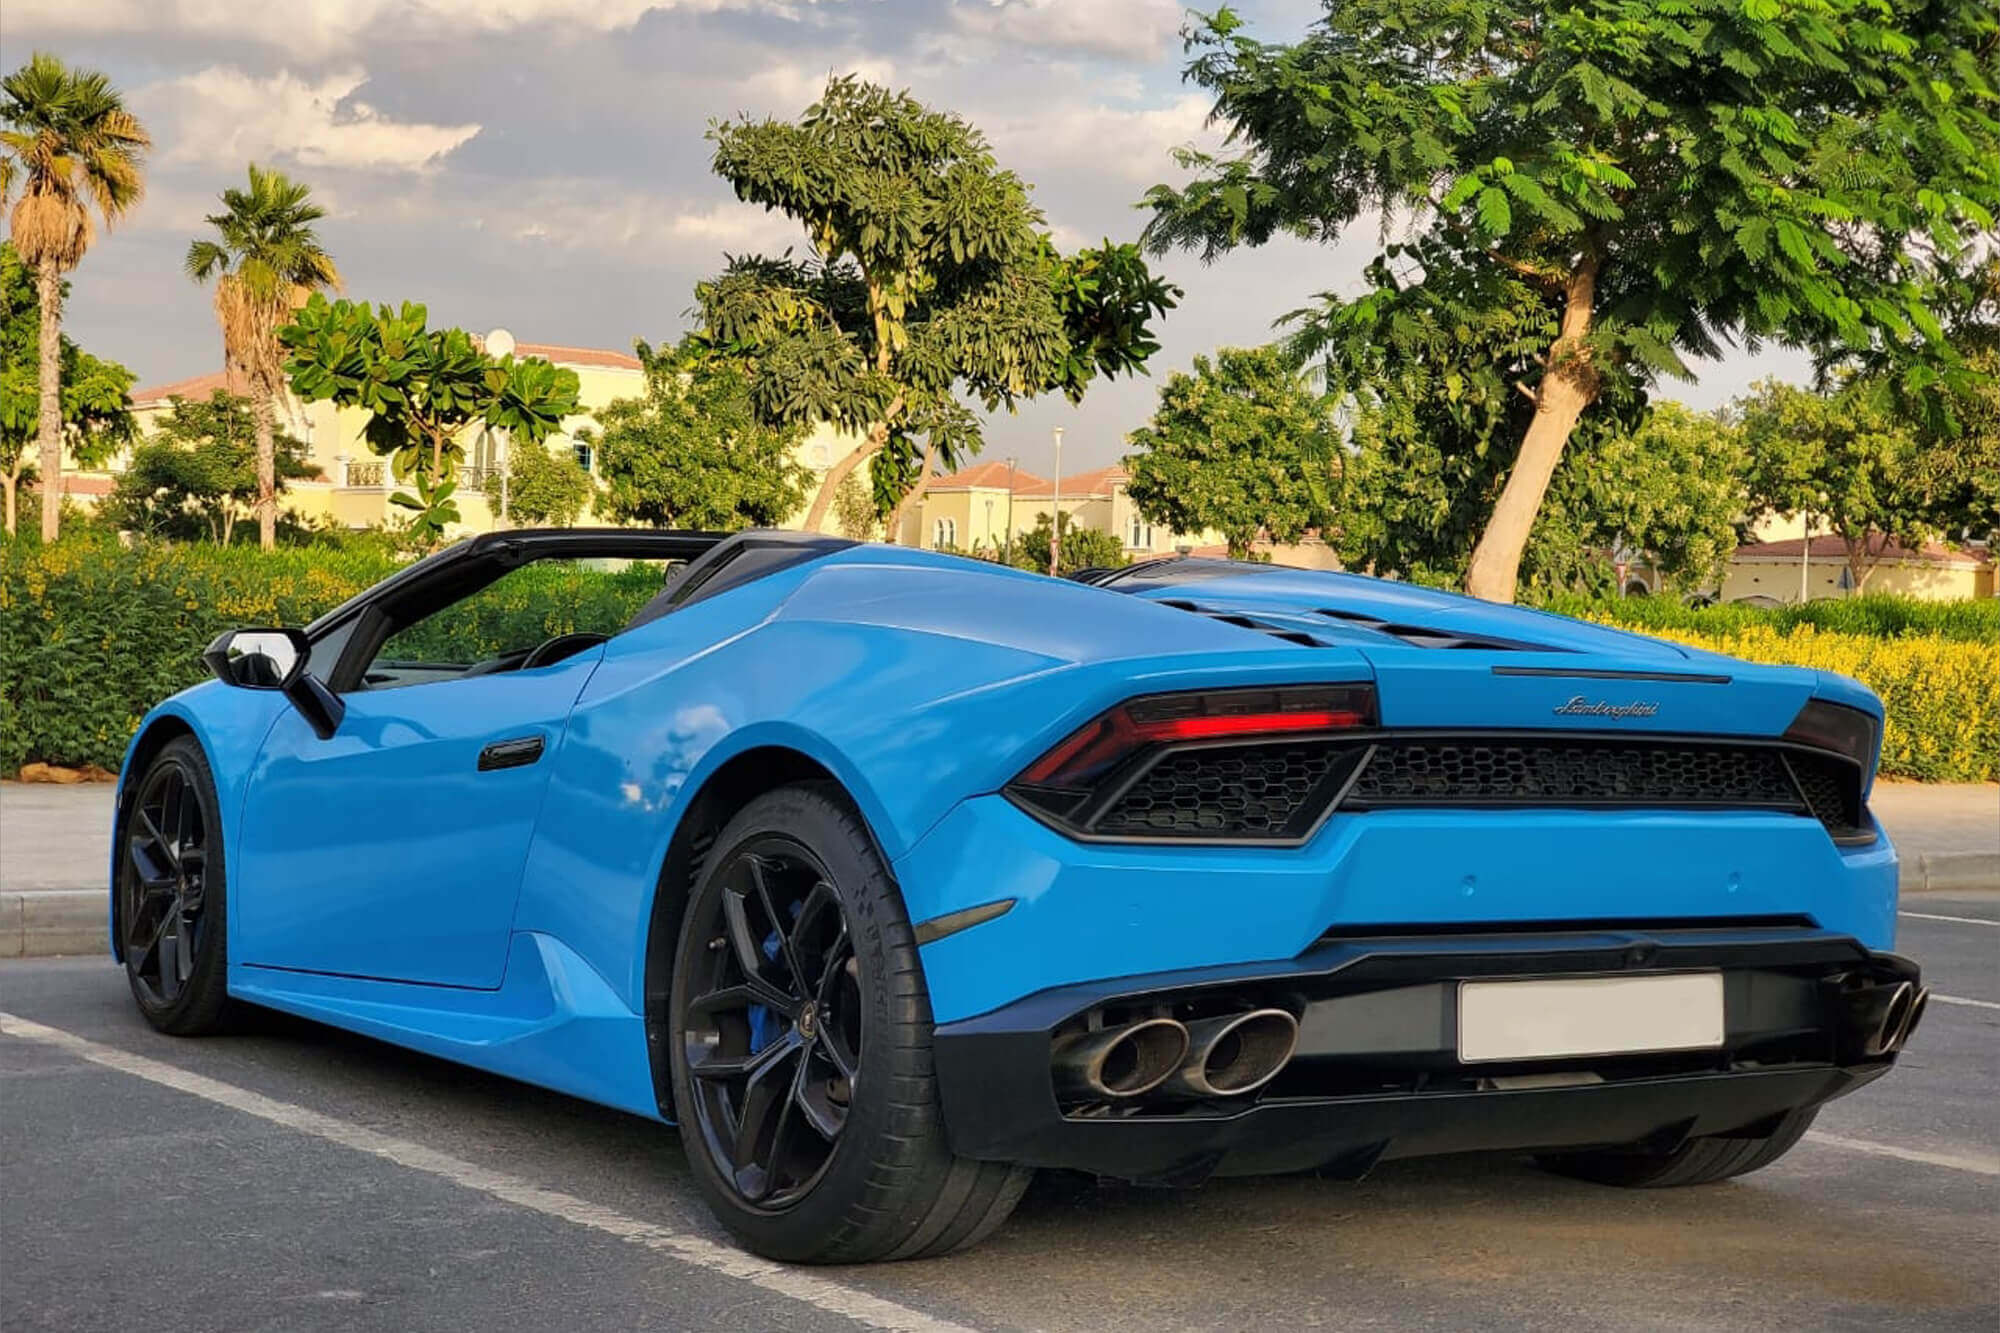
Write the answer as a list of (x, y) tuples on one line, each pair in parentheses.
[(1540, 772), (1238, 791), (1828, 788)]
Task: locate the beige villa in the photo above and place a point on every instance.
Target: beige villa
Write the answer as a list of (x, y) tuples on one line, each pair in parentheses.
[(987, 505), (354, 485), (981, 508)]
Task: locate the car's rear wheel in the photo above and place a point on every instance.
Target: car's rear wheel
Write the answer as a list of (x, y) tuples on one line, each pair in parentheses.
[(801, 1057), (1698, 1161), (172, 904)]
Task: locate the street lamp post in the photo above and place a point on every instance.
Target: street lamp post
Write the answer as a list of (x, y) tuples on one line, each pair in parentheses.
[(1055, 524), (1007, 538)]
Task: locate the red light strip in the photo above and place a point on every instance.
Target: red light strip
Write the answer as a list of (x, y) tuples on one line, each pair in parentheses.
[(1116, 734), (1244, 724)]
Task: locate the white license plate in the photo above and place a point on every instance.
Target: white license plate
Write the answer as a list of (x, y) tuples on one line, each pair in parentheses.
[(1571, 1016)]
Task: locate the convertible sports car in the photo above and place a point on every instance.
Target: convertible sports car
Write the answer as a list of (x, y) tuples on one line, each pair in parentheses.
[(891, 876)]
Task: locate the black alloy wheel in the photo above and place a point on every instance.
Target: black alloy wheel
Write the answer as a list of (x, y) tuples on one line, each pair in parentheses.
[(772, 1035), (170, 909), (800, 1048)]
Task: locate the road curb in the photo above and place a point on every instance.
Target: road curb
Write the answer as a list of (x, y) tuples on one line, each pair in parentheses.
[(1950, 872), (47, 925)]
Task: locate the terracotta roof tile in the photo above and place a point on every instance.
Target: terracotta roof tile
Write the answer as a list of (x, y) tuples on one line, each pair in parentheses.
[(1829, 547), (578, 356), (199, 388), (992, 475), (1100, 481), (202, 387)]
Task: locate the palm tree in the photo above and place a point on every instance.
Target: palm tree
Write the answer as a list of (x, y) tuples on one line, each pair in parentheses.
[(71, 144), (266, 264)]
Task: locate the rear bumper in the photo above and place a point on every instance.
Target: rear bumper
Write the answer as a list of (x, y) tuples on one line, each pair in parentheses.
[(1376, 1075), (1087, 910)]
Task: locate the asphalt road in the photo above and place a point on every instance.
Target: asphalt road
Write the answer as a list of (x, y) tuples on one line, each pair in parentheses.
[(293, 1177)]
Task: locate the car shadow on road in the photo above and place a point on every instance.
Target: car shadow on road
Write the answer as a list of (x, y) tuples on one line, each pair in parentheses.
[(1823, 1236)]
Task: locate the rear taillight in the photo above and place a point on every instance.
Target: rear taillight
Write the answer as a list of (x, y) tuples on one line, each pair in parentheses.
[(1845, 731), (1105, 752)]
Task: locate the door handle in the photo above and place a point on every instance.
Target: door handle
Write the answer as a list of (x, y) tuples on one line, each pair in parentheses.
[(517, 752)]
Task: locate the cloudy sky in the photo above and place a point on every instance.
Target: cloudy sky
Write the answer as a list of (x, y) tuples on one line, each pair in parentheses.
[(540, 164)]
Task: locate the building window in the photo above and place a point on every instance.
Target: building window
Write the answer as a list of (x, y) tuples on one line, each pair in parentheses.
[(944, 533), (583, 456), (1140, 538)]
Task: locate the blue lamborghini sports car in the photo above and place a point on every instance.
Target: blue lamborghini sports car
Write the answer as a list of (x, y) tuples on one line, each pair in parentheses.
[(890, 876)]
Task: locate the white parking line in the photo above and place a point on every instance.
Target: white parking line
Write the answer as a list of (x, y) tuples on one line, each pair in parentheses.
[(1961, 920), (1979, 1164), (1960, 999), (821, 1294)]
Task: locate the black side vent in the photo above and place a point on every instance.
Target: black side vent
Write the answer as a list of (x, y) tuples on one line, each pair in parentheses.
[(1422, 636), (1241, 621)]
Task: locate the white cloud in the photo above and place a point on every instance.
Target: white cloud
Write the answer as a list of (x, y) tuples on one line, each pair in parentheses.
[(1129, 144), (224, 115), (583, 215), (319, 27), (1123, 29), (787, 89)]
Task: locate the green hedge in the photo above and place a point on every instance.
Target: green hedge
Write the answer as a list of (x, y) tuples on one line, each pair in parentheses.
[(92, 634), (1878, 615)]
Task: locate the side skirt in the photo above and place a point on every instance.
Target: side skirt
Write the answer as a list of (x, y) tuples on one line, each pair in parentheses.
[(553, 1022)]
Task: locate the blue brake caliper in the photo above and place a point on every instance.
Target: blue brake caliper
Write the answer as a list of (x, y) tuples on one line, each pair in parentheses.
[(763, 1024)]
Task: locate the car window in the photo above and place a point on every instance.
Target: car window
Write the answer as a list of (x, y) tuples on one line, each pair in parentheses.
[(502, 625)]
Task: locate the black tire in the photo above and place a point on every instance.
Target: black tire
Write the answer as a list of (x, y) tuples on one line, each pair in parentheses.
[(1696, 1162), (172, 895), (856, 1167)]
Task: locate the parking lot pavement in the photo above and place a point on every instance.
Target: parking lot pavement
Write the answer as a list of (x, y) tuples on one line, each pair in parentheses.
[(295, 1177), (54, 837)]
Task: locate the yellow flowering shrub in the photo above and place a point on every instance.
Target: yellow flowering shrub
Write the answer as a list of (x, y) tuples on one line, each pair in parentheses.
[(1941, 696)]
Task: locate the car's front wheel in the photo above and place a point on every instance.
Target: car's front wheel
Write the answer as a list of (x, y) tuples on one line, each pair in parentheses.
[(172, 905), (1699, 1161), (801, 1057)]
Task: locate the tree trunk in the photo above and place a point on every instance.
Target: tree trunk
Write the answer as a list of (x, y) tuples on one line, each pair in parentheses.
[(1569, 387), (10, 483), (48, 292), (1859, 566), (877, 437), (916, 492), (267, 463)]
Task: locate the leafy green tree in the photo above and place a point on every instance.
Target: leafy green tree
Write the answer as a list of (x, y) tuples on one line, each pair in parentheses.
[(545, 488), (73, 149), (1845, 461), (854, 515), (422, 387), (1661, 178), (267, 261), (1672, 491), (1082, 548), (1960, 458), (928, 278), (198, 475), (96, 397), (1242, 445), (693, 452)]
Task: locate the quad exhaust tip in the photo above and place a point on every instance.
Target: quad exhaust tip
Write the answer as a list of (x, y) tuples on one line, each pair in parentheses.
[(1235, 1053), (1911, 1017), (1121, 1061), (1890, 1019)]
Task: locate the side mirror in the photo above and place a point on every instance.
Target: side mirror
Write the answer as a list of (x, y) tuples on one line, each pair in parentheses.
[(275, 659)]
